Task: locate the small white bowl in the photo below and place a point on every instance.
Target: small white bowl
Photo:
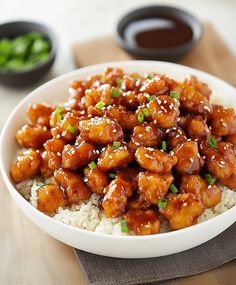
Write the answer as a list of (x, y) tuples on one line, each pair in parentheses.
[(114, 246)]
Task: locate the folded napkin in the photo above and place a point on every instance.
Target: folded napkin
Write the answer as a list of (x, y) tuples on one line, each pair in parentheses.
[(100, 270)]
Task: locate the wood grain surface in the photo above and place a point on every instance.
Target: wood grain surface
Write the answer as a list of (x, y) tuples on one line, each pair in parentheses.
[(28, 255)]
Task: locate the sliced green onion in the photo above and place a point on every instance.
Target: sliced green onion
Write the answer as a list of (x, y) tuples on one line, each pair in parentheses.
[(140, 117), (116, 145), (115, 93), (174, 95), (59, 110), (100, 105), (92, 165), (211, 142), (173, 189), (118, 82), (136, 76), (146, 112), (151, 98), (71, 129), (124, 226), (162, 203), (39, 184), (112, 175), (149, 76), (164, 145), (210, 179)]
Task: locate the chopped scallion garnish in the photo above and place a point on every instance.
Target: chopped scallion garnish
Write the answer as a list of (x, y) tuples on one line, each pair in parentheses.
[(92, 165), (140, 117), (173, 189), (71, 129), (115, 93), (112, 175), (124, 226), (164, 145), (174, 94), (210, 179), (211, 142), (146, 112), (39, 184), (100, 105), (151, 98), (162, 203), (59, 110), (116, 145), (149, 76)]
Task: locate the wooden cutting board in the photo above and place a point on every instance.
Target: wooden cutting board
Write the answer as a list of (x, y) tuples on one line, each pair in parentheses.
[(210, 55)]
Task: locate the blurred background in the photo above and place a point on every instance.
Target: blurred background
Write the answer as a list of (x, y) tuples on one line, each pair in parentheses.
[(75, 21)]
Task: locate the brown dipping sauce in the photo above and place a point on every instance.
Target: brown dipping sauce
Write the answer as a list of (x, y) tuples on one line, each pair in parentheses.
[(158, 33)]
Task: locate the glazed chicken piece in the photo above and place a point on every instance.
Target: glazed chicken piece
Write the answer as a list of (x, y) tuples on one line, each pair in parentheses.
[(148, 135), (112, 73), (74, 157), (68, 128), (112, 157), (164, 110), (194, 101), (175, 136), (54, 148), (231, 139), (105, 93), (115, 199), (45, 171), (26, 165), (197, 128), (209, 195), (152, 186), (221, 162), (50, 198), (32, 136), (189, 159), (223, 121), (39, 114), (96, 180), (182, 210), (142, 222), (201, 87), (130, 100), (76, 92), (101, 130), (155, 160), (129, 175), (155, 86), (75, 188)]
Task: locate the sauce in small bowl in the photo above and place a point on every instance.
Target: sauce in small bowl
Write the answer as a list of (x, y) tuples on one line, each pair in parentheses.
[(158, 32)]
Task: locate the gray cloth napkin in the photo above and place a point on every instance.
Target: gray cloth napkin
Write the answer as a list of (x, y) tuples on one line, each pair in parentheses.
[(100, 270)]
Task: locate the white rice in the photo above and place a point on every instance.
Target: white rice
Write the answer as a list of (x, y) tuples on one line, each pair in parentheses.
[(87, 215)]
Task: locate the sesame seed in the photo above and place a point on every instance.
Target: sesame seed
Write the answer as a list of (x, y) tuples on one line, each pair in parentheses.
[(191, 159), (185, 204), (58, 153)]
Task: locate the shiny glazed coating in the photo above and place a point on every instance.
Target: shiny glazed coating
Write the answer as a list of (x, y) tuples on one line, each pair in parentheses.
[(182, 210), (152, 148), (25, 166), (142, 222)]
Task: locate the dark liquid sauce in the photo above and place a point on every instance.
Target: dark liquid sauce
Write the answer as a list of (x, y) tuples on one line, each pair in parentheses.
[(158, 32)]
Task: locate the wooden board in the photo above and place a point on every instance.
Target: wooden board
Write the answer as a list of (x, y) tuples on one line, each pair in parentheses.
[(210, 55), (28, 255)]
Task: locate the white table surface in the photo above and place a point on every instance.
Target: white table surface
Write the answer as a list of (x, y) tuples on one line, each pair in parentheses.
[(78, 20)]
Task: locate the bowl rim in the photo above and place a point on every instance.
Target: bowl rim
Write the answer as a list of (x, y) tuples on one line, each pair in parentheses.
[(48, 33), (66, 227), (197, 32)]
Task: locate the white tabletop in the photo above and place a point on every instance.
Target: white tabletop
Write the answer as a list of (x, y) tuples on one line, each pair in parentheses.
[(78, 20)]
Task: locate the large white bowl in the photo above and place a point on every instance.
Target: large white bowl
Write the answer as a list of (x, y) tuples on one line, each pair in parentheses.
[(115, 246)]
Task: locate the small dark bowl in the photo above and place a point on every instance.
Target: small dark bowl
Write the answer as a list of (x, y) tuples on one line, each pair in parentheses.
[(28, 77), (171, 54)]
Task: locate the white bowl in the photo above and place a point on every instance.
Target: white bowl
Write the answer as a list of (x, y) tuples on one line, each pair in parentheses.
[(114, 246)]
